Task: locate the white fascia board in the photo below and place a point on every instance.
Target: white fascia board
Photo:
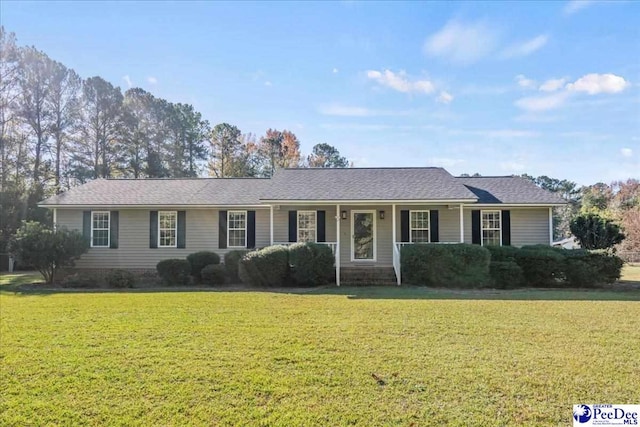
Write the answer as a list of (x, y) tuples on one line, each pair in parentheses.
[(159, 207), (365, 202)]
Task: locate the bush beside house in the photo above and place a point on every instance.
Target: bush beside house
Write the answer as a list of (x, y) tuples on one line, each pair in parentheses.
[(213, 274), (199, 260), (311, 264), (457, 265), (265, 267), (174, 271), (232, 263)]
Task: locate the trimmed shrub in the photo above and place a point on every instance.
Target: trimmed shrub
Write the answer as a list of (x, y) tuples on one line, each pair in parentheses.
[(311, 264), (542, 266), (456, 265), (502, 253), (584, 268), (174, 271), (82, 279), (506, 274), (232, 263), (120, 279), (200, 260), (265, 267), (213, 274)]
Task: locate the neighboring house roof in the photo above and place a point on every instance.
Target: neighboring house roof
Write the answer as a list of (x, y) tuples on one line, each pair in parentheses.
[(163, 192), (359, 184), (509, 190), (313, 185)]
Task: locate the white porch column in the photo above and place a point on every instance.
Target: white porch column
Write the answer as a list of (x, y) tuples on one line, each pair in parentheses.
[(338, 218), (550, 226), (271, 225), (393, 225), (461, 224), (55, 219)]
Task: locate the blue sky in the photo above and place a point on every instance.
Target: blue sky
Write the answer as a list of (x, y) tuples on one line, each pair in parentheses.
[(497, 88)]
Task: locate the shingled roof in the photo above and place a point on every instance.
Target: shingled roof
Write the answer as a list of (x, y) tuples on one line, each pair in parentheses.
[(509, 190), (312, 185), (164, 192), (359, 184)]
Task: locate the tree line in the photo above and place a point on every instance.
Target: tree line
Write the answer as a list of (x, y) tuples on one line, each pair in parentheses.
[(58, 130)]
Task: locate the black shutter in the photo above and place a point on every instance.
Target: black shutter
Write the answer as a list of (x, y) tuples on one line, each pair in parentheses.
[(404, 226), (475, 227), (86, 226), (153, 229), (114, 217), (321, 217), (222, 230), (434, 227), (251, 229), (182, 229), (506, 228), (293, 226)]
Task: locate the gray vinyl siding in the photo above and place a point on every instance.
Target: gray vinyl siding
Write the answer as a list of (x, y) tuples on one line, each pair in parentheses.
[(281, 222), (529, 226), (134, 252), (448, 221)]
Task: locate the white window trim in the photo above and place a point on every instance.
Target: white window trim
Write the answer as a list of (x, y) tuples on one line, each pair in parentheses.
[(176, 229), (245, 228), (482, 212), (428, 223), (108, 229), (315, 220), (375, 236)]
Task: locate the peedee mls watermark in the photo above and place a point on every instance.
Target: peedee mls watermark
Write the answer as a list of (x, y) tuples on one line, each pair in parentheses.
[(606, 415)]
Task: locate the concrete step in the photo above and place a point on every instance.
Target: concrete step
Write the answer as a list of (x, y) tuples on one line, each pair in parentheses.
[(364, 276)]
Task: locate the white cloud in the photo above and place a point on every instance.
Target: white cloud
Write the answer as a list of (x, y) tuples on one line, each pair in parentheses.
[(152, 80), (351, 111), (268, 83), (513, 166), (444, 97), (335, 71), (462, 43), (496, 133), (525, 48), (626, 152), (400, 81), (128, 81), (598, 83), (542, 103), (523, 81), (444, 162), (574, 6), (552, 85)]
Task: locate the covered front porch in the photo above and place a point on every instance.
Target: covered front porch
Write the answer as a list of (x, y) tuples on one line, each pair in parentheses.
[(367, 236)]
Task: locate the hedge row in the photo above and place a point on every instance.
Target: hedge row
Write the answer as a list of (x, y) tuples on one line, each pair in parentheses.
[(506, 267), (302, 264)]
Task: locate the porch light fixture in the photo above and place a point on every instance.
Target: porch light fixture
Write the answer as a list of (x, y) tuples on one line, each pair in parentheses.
[(343, 214), (381, 214)]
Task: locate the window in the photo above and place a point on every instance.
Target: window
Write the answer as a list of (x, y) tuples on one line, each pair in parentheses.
[(237, 229), (491, 230), (167, 229), (306, 226), (419, 226), (100, 222)]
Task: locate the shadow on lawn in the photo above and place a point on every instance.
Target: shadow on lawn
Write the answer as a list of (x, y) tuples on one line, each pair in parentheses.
[(624, 291)]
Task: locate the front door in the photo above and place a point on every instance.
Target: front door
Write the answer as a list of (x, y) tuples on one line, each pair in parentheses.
[(363, 236)]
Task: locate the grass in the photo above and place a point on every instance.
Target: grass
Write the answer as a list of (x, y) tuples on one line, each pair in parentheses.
[(385, 357), (20, 278)]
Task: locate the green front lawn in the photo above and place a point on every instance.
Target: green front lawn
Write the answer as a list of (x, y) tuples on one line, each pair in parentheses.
[(265, 358)]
